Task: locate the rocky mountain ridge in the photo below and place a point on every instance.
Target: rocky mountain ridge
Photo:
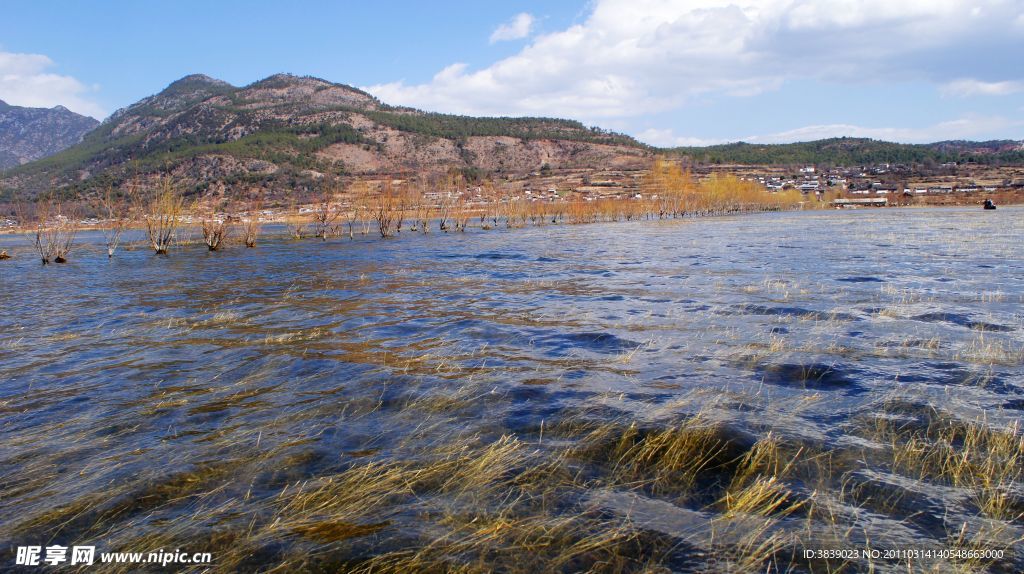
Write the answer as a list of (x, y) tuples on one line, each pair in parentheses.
[(286, 132), (28, 134)]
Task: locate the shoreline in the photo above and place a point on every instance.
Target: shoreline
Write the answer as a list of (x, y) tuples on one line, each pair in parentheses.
[(309, 221)]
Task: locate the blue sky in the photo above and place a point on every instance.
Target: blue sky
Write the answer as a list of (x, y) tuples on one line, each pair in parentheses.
[(670, 72)]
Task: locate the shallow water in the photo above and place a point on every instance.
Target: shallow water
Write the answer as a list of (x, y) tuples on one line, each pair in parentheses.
[(249, 370)]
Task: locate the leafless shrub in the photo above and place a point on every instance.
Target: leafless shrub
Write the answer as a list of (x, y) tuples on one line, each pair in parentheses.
[(444, 213), (515, 213), (295, 224), (350, 220), (423, 213), (31, 218), (402, 201), (357, 197), (325, 212), (163, 213), (363, 208), (491, 214), (215, 231), (384, 215), (453, 190), (423, 208), (53, 232), (366, 210), (115, 208), (251, 224), (462, 214)]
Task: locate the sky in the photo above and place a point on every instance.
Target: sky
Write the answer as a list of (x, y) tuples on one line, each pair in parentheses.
[(668, 72)]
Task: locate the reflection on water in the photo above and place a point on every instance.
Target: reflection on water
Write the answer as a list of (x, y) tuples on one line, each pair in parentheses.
[(457, 386)]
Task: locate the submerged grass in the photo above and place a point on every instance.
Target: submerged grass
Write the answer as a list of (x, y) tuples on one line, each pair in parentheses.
[(987, 462), (374, 454), (524, 501)]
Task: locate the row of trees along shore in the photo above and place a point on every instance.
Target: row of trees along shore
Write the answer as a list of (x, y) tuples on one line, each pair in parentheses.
[(666, 191)]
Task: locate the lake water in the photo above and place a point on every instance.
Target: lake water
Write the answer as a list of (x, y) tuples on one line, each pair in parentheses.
[(227, 402)]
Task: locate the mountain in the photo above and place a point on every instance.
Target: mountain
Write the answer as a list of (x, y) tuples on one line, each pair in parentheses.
[(28, 134), (858, 151), (284, 132)]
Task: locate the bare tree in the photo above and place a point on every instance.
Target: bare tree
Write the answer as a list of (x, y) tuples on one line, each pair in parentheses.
[(366, 209), (423, 213), (401, 204), (32, 219), (423, 207), (296, 226), (163, 213), (356, 193), (53, 233), (215, 230), (452, 191), (115, 209), (251, 225), (64, 233), (385, 213), (325, 212), (444, 212), (462, 214), (43, 239), (350, 220)]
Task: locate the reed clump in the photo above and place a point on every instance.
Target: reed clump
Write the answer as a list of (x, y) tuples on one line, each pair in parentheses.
[(595, 492), (665, 461), (484, 500), (353, 494), (989, 350), (758, 483), (988, 462), (534, 543)]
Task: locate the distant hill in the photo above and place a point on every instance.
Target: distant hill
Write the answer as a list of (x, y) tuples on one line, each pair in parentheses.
[(283, 132), (858, 151), (286, 132), (28, 134)]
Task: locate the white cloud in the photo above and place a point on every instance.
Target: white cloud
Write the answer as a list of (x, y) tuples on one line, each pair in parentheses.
[(968, 127), (631, 58), (518, 27), (969, 87), (25, 81), (668, 138)]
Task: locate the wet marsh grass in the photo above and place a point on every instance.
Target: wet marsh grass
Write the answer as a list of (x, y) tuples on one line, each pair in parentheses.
[(984, 461), (447, 454), (520, 502), (991, 351)]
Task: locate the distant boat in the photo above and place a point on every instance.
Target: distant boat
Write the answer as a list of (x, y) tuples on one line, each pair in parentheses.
[(989, 204)]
